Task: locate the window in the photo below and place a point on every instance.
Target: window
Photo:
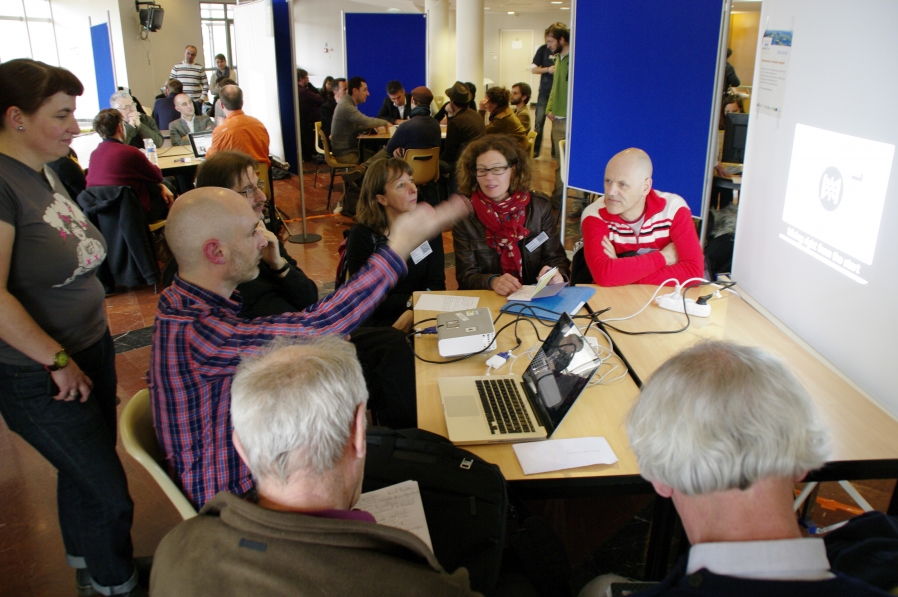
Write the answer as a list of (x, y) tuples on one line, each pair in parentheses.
[(26, 31), (217, 22)]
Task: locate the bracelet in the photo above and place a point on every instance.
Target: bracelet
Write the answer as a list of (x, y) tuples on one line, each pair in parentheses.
[(283, 269)]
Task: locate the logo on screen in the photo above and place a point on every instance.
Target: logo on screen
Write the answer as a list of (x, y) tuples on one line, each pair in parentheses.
[(831, 188)]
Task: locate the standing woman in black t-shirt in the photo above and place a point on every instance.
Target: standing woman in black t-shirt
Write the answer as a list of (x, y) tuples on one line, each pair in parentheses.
[(387, 191), (57, 360)]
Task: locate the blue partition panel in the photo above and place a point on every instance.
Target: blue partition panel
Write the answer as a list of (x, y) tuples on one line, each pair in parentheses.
[(381, 47), (280, 12), (643, 77), (99, 40)]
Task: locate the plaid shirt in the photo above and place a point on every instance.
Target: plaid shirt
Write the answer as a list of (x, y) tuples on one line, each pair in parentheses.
[(198, 341)]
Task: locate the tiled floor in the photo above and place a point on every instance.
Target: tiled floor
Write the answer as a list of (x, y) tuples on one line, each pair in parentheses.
[(31, 553)]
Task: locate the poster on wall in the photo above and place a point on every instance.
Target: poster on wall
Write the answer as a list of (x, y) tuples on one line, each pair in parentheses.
[(775, 49)]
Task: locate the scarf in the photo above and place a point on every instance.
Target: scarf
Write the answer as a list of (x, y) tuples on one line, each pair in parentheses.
[(504, 222), (223, 74), (420, 111)]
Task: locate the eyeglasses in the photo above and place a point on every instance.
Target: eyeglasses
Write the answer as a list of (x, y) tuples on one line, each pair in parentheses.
[(250, 192), (126, 108), (495, 171)]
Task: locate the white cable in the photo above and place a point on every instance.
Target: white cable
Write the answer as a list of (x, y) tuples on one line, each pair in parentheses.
[(645, 305)]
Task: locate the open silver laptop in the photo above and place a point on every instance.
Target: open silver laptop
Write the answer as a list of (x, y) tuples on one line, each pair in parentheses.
[(200, 143), (514, 408)]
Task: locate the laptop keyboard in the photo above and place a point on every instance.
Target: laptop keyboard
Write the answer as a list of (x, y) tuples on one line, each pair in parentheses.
[(503, 406)]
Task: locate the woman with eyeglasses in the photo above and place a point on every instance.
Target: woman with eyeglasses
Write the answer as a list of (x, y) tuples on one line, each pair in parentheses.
[(510, 239), (280, 287), (57, 359), (387, 191)]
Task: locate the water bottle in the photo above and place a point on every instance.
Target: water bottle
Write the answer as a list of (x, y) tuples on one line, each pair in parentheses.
[(151, 151)]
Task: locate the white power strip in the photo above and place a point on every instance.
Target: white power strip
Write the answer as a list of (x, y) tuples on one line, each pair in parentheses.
[(674, 302)]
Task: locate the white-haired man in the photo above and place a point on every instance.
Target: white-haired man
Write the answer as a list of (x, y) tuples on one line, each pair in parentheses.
[(299, 424), (726, 431), (138, 126)]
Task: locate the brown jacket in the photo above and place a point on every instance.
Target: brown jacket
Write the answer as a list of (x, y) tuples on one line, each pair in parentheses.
[(505, 122), (476, 262), (236, 548)]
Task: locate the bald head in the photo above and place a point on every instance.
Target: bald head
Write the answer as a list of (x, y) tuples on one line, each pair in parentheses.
[(201, 216), (628, 180), (184, 105)]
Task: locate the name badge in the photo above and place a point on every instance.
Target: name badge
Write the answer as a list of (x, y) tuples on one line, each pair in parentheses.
[(537, 242), (421, 252)]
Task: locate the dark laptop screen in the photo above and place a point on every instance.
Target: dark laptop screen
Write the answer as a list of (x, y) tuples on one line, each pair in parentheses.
[(560, 371)]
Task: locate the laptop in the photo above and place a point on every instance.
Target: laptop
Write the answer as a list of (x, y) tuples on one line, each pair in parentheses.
[(200, 143), (529, 407)]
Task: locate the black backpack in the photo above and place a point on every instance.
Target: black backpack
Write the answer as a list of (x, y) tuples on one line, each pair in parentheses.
[(465, 498)]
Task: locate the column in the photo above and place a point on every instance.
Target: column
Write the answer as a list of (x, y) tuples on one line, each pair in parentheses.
[(469, 43), (440, 63)]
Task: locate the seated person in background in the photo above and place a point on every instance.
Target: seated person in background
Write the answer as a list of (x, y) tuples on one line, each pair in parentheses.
[(731, 104), (465, 124), (138, 126), (502, 118), (637, 235), (726, 431), (69, 171), (327, 88), (115, 164), (395, 106), (520, 99), (199, 336), (300, 535), (217, 111), (189, 122), (349, 121), (221, 73), (281, 286), (340, 88), (239, 131), (511, 237), (164, 110), (388, 191), (419, 132), (310, 103)]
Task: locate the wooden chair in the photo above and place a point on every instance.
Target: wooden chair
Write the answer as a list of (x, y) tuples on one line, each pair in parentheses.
[(139, 438), (160, 246), (318, 158), (425, 163), (531, 142), (331, 161)]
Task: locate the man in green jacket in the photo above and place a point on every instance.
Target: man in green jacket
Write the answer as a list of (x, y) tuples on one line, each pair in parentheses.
[(298, 412), (556, 109)]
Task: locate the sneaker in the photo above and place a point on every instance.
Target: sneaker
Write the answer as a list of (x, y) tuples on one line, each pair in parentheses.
[(352, 177), (83, 587)]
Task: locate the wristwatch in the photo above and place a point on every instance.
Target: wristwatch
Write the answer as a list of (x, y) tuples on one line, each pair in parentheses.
[(60, 360)]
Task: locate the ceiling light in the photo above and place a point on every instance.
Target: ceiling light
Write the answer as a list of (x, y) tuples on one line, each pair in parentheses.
[(511, 12), (555, 2), (565, 8)]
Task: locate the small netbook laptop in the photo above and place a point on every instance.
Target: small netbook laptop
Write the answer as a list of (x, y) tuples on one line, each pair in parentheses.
[(200, 143), (513, 408)]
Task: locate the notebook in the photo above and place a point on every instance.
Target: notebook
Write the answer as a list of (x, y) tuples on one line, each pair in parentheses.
[(529, 407), (200, 143), (541, 289)]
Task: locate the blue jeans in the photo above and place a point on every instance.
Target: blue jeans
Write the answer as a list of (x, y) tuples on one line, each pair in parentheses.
[(541, 103), (95, 510)]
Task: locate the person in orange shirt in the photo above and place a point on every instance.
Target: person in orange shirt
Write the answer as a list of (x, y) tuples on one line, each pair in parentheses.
[(239, 131)]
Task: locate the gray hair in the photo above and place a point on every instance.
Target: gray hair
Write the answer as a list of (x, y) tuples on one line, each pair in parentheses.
[(293, 405), (721, 416), (119, 95)]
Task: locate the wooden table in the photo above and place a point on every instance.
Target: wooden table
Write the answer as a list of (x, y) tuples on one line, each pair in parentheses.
[(865, 436), (168, 155), (385, 136), (600, 410)]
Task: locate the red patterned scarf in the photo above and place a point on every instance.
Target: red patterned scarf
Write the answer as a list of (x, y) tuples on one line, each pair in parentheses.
[(504, 222)]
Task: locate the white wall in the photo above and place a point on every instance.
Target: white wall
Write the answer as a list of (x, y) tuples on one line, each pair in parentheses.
[(493, 23), (320, 22)]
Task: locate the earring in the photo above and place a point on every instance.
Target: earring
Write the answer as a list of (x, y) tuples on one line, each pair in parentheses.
[(21, 128)]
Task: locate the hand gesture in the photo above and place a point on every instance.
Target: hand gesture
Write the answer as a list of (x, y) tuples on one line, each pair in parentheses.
[(271, 254), (670, 254), (405, 321), (399, 152), (505, 284), (167, 195), (551, 70), (412, 228), (73, 384), (608, 247), (556, 279)]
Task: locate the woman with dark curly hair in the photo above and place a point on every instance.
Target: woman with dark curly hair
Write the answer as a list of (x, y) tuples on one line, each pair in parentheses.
[(57, 359), (387, 191), (510, 239), (502, 118)]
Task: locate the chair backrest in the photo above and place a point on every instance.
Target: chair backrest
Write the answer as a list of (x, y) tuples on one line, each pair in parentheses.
[(264, 174), (329, 158), (531, 142), (139, 439), (425, 164), (561, 161), (318, 146)]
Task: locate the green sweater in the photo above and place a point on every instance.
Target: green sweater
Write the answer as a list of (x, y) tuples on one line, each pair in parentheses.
[(558, 98)]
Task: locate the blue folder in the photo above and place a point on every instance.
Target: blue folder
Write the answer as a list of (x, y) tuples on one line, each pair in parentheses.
[(570, 300)]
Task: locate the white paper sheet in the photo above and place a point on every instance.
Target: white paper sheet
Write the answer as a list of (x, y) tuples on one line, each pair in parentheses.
[(398, 506), (444, 302), (560, 454)]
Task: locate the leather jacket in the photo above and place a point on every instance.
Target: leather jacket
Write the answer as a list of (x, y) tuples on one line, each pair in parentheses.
[(476, 263)]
